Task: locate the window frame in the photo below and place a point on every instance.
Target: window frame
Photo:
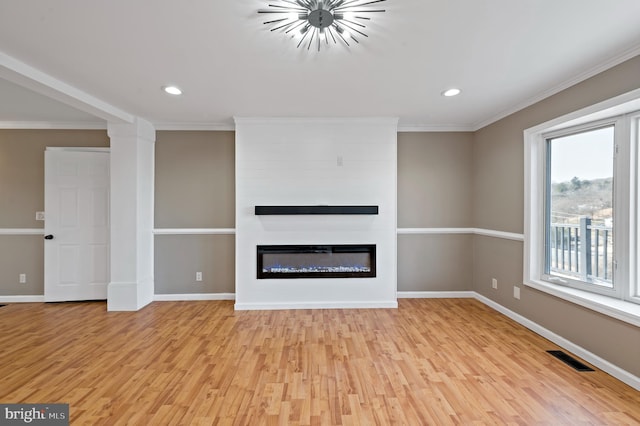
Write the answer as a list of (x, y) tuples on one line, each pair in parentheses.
[(624, 111), (620, 216)]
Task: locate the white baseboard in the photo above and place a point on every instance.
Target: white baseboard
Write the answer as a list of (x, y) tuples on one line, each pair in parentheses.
[(193, 296), (436, 294), (604, 365), (313, 305), (22, 299)]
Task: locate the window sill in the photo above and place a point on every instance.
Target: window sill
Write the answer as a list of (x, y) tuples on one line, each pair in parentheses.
[(619, 309)]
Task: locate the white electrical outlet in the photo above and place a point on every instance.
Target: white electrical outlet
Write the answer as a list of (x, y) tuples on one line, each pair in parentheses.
[(198, 276), (23, 278), (516, 292), (494, 283), (39, 215)]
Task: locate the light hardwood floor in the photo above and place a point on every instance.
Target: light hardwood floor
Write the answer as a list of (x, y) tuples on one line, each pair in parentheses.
[(430, 362)]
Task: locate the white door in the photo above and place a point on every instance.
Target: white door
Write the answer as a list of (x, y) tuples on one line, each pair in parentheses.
[(76, 202)]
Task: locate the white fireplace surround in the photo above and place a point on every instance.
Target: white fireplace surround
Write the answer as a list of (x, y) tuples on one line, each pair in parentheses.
[(315, 161)]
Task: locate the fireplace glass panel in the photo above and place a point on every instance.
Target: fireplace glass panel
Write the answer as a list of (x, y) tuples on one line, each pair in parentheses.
[(315, 261)]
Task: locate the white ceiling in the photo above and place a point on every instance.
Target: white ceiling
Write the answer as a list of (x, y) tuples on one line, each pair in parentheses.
[(114, 56)]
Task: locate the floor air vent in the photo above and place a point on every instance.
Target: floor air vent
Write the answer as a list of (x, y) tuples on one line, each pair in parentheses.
[(571, 361)]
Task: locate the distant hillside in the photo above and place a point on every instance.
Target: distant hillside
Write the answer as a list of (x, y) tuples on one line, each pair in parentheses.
[(575, 198)]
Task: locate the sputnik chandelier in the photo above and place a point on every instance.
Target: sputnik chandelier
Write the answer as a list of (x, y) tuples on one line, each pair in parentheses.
[(319, 21)]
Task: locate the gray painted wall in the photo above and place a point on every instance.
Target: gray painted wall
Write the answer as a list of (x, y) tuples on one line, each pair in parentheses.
[(195, 180), (434, 180), (21, 254), (179, 257), (194, 188), (498, 185), (435, 262), (435, 191)]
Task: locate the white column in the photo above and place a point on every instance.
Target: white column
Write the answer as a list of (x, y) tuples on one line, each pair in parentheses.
[(132, 186)]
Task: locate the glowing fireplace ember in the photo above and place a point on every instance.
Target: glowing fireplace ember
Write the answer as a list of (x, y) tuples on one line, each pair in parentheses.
[(334, 261)]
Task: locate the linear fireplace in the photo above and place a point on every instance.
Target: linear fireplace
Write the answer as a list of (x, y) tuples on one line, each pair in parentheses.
[(317, 261)]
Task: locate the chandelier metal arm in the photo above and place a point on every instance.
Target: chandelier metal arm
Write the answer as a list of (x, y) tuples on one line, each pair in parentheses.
[(339, 32), (306, 32), (331, 34), (316, 34), (361, 11), (283, 26), (288, 8), (354, 23), (296, 4), (344, 23), (298, 24), (345, 3), (356, 3), (332, 4), (275, 21)]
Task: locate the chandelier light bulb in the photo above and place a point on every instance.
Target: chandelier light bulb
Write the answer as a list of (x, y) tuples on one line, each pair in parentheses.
[(340, 21)]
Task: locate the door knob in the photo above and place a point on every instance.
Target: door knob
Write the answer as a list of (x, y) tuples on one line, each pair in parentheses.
[(48, 237)]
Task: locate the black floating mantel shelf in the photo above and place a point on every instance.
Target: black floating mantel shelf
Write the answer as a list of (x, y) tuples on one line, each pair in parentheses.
[(320, 209)]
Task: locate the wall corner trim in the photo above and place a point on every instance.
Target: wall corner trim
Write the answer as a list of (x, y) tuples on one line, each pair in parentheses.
[(436, 295), (476, 231), (499, 234), (21, 231), (315, 305), (22, 299), (193, 296), (194, 231)]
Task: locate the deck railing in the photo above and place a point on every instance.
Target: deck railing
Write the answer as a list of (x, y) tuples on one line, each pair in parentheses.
[(582, 250)]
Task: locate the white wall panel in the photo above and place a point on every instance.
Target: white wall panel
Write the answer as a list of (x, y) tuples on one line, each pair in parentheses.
[(311, 162)]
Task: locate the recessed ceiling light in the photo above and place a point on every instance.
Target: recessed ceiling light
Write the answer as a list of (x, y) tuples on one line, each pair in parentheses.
[(451, 92), (172, 90)]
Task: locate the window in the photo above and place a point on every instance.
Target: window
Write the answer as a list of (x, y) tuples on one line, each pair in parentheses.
[(579, 181), (581, 207)]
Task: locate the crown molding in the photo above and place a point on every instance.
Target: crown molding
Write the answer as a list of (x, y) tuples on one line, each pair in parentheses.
[(189, 126), (433, 128), (603, 66), (317, 120), (52, 125), (194, 126), (204, 126)]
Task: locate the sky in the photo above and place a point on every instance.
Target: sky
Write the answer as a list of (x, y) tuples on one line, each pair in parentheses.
[(587, 155)]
